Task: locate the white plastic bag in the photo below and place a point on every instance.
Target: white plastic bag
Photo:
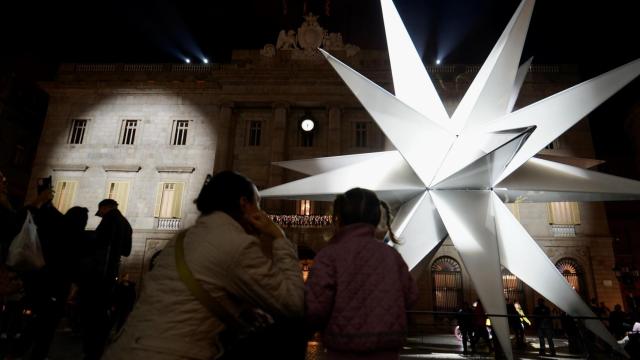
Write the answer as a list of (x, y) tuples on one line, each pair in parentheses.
[(25, 252)]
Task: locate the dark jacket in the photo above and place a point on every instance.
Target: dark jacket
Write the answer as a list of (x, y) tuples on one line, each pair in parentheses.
[(542, 315), (464, 317), (113, 237), (9, 228), (358, 292), (52, 280)]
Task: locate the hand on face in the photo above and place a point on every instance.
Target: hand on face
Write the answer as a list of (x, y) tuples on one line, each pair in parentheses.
[(261, 221)]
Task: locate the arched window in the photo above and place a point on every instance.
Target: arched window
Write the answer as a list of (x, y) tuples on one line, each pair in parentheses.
[(573, 273), (513, 287), (447, 284)]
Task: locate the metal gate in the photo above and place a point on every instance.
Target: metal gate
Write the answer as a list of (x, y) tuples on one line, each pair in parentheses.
[(513, 288), (572, 272), (447, 284)]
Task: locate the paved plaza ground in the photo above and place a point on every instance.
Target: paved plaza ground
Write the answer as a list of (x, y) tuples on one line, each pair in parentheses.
[(434, 346)]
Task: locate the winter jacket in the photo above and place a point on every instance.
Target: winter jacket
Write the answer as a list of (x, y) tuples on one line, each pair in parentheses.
[(9, 228), (358, 292), (113, 236), (169, 323)]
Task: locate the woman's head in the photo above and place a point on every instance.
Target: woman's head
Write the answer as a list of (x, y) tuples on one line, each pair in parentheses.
[(77, 217), (229, 192)]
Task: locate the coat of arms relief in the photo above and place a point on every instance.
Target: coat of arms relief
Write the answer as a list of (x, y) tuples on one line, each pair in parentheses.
[(309, 37)]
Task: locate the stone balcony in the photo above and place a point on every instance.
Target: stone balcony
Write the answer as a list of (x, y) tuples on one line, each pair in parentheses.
[(168, 224), (563, 230)]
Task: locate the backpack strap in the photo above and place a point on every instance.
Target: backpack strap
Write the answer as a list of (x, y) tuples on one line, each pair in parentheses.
[(196, 289)]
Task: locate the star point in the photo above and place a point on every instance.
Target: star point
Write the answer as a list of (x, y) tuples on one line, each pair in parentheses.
[(482, 154)]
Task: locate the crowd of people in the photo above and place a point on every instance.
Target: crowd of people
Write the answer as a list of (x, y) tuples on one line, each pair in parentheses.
[(227, 287), (473, 326), (78, 264), (230, 286), (239, 294)]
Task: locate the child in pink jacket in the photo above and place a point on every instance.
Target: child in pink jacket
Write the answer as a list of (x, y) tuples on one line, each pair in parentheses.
[(359, 288)]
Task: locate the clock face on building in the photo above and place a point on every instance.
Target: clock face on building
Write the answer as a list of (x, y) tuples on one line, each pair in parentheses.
[(307, 124)]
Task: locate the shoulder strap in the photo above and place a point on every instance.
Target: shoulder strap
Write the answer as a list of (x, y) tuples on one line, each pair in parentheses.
[(208, 301)]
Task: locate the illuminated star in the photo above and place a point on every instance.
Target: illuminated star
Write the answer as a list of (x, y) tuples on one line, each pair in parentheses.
[(452, 175)]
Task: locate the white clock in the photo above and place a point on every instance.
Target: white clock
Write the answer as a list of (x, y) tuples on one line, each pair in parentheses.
[(307, 124)]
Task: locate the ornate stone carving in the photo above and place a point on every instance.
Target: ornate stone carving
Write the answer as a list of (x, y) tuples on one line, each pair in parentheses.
[(310, 36), (351, 50), (286, 40), (268, 50), (332, 41)]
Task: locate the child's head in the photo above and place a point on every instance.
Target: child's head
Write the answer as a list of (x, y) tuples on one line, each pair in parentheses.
[(361, 206), (356, 206)]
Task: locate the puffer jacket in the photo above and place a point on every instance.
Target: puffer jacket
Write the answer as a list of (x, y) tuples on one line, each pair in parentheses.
[(169, 323), (358, 292)]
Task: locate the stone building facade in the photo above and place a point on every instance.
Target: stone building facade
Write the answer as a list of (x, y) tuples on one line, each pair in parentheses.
[(148, 134)]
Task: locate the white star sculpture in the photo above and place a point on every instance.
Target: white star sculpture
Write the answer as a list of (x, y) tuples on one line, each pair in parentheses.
[(452, 175)]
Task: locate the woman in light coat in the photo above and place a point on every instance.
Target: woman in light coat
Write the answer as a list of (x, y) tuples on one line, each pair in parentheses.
[(237, 254)]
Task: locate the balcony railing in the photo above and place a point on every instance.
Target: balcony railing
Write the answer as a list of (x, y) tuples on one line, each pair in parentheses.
[(168, 224), (563, 230), (302, 220)]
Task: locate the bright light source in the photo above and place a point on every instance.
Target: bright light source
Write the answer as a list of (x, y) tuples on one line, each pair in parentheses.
[(187, 60), (438, 62), (205, 60)]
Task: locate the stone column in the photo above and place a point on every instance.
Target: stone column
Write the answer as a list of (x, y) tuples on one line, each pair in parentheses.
[(225, 138), (334, 146)]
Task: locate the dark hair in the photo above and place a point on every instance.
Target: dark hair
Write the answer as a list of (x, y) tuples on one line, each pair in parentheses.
[(357, 205), (387, 220), (223, 191), (76, 218)]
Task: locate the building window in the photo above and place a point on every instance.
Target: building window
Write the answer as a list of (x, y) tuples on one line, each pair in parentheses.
[(169, 200), (513, 287), (119, 191), (304, 207), (76, 134), (361, 134), (255, 132), (573, 273), (128, 132), (179, 133), (564, 213), (64, 195), (447, 284)]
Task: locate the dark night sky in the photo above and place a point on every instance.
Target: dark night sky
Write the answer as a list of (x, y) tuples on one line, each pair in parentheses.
[(597, 35)]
